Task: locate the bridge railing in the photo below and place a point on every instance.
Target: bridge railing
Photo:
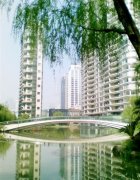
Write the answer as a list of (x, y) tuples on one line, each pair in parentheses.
[(108, 118)]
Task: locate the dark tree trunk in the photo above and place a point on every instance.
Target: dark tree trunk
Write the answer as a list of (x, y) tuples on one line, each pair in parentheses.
[(128, 24)]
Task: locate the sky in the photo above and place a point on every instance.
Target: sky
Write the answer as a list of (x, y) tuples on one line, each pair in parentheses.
[(10, 70)]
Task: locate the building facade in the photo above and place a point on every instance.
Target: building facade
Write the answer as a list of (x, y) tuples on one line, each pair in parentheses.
[(73, 88), (107, 86), (63, 93), (31, 72)]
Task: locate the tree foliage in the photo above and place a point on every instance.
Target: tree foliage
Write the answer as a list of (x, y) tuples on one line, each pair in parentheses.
[(132, 114), (77, 26), (24, 116), (58, 113), (129, 112), (6, 114)]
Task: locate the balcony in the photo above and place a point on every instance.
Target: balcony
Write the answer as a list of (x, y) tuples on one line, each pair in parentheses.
[(114, 80), (91, 72), (114, 86), (27, 77), (116, 97), (26, 109), (27, 92), (28, 70), (90, 81), (26, 85), (27, 56), (27, 63), (114, 75), (27, 100), (91, 94), (116, 103), (114, 64), (114, 69), (90, 77), (90, 85)]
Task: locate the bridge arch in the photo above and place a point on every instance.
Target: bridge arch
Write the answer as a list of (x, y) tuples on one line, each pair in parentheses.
[(22, 125)]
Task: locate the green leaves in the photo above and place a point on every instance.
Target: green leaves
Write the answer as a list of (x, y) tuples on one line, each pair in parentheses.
[(76, 27), (73, 26), (132, 114), (23, 116), (6, 114)]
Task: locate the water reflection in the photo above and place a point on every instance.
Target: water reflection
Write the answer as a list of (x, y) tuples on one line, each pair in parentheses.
[(71, 161), (67, 132), (85, 161), (4, 146), (28, 161), (99, 163), (95, 130), (48, 161), (67, 162)]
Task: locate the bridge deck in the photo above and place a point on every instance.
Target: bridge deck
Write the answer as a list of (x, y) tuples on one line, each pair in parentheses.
[(108, 123)]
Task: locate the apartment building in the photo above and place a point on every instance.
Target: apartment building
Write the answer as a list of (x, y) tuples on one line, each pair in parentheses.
[(71, 88), (31, 72), (108, 85)]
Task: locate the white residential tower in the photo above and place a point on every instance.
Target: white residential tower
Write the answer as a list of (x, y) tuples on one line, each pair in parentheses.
[(31, 72)]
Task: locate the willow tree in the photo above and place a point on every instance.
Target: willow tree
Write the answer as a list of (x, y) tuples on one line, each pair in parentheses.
[(77, 26)]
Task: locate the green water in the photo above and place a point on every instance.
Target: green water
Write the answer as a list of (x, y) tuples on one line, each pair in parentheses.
[(21, 160)]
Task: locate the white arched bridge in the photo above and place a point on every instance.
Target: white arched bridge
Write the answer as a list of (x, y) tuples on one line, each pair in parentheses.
[(10, 126)]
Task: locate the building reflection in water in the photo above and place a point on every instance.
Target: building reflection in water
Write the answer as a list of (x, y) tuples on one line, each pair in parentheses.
[(28, 161), (87, 161), (95, 130), (99, 163), (71, 161)]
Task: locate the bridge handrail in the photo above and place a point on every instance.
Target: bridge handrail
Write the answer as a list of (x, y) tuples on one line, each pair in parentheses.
[(18, 121)]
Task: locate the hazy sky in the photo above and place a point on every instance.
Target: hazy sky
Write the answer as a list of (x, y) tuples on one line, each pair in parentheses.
[(10, 68)]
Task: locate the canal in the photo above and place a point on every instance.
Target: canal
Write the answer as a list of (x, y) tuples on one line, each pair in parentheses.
[(69, 157)]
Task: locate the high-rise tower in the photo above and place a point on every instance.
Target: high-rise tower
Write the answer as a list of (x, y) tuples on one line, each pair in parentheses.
[(73, 89), (31, 72), (63, 93)]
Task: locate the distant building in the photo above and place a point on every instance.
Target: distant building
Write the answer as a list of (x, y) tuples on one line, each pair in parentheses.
[(73, 88), (63, 93), (31, 72)]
